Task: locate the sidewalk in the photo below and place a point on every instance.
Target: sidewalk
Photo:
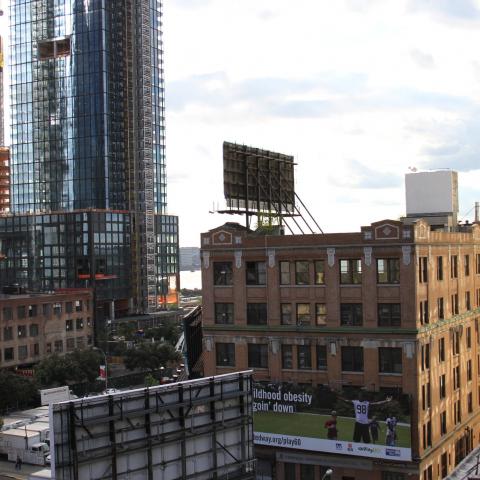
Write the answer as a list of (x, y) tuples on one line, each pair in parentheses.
[(8, 472)]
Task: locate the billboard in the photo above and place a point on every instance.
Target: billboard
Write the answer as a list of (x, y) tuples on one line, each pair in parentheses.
[(54, 395), (198, 429), (257, 180), (318, 419)]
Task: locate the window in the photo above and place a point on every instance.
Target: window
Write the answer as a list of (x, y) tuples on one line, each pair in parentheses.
[(390, 360), (321, 357), (441, 349), (456, 377), (477, 264), (466, 265), (442, 387), (21, 311), (222, 273), (289, 471), (304, 357), (302, 273), (321, 313), (286, 313), (303, 314), (423, 269), (22, 352), (69, 325), (225, 353), (388, 314), (456, 343), (58, 346), (78, 305), (426, 396), (469, 370), (388, 270), (427, 435), (7, 313), (439, 268), (424, 313), (444, 465), (32, 311), (284, 273), (7, 334), (351, 314), (443, 423), (287, 356), (393, 476), (22, 331), (319, 272), (35, 349), (57, 308), (46, 309), (352, 359), (79, 324), (34, 330), (307, 472), (224, 313), (70, 344), (256, 273), (468, 337), (8, 354), (351, 271), (440, 307), (457, 412), (470, 402), (68, 307), (454, 266), (455, 304), (257, 355), (468, 305), (425, 356), (256, 313)]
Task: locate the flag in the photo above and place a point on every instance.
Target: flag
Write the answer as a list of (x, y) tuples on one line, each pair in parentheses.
[(103, 372)]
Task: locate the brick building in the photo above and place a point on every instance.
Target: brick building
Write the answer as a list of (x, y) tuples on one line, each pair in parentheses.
[(391, 309), (35, 325)]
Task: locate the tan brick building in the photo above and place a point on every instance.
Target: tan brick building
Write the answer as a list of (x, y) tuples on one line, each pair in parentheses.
[(391, 308), (35, 325)]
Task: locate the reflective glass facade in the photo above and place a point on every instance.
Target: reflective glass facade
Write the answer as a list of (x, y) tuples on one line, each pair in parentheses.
[(87, 132)]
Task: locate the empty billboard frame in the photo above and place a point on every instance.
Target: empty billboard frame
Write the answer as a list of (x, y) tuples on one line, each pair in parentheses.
[(257, 180), (198, 429)]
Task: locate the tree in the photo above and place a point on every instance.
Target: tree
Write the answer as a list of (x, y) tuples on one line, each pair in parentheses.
[(16, 391), (168, 331), (151, 381), (76, 367), (151, 356)]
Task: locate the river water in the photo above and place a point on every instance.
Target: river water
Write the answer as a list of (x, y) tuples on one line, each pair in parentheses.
[(190, 279)]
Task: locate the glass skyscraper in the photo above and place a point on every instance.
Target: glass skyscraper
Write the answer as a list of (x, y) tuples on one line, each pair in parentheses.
[(88, 180)]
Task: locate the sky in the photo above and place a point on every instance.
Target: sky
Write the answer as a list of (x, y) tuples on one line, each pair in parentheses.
[(357, 91)]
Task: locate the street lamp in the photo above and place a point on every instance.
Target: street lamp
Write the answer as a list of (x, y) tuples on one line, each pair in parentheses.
[(106, 365), (327, 474)]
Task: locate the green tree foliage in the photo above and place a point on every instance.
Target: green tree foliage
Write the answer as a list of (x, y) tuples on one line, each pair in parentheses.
[(16, 391), (151, 381), (151, 356), (78, 366), (169, 331)]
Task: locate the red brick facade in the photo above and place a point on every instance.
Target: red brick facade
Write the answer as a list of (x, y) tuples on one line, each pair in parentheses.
[(394, 272)]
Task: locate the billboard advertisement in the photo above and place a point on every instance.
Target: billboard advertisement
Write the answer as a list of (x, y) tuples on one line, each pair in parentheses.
[(354, 422), (196, 429)]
